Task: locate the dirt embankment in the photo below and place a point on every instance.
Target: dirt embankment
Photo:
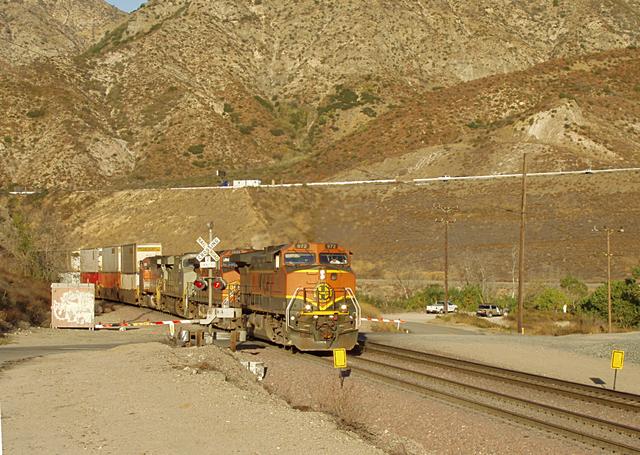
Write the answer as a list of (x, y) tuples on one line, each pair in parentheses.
[(390, 228), (23, 301)]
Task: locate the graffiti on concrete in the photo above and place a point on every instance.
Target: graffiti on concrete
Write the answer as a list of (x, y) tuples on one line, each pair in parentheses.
[(75, 307)]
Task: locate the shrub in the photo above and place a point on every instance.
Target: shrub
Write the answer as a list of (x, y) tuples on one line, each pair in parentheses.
[(227, 108), (265, 103), (574, 289), (246, 129), (35, 113), (369, 112), (550, 299), (475, 124), (277, 131), (625, 303), (8, 140), (196, 149)]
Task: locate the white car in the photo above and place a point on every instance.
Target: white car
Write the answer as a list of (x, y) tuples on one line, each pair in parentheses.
[(438, 308)]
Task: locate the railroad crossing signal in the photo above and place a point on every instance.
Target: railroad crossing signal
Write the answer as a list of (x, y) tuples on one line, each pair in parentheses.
[(208, 252)]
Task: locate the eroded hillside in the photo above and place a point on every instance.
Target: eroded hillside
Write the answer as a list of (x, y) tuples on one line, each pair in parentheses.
[(296, 90)]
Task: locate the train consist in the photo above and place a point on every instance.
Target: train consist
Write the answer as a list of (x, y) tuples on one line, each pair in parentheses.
[(300, 295)]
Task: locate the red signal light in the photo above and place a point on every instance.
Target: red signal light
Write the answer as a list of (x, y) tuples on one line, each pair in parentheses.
[(219, 284), (200, 285)]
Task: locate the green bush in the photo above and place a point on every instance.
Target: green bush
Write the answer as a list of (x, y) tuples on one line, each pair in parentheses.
[(265, 103), (277, 131), (625, 302), (35, 113), (196, 149), (245, 129), (369, 112), (550, 299), (8, 140), (475, 124)]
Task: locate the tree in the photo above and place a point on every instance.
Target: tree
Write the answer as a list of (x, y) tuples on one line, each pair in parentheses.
[(575, 289), (625, 302), (550, 299)]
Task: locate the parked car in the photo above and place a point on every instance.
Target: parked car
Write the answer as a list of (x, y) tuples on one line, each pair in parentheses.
[(489, 311), (438, 307)]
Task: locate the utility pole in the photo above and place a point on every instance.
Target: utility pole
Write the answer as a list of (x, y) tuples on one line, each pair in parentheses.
[(521, 254), (608, 231), (446, 220)]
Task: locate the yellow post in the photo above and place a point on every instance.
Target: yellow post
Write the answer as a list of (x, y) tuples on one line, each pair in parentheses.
[(340, 358), (617, 362)]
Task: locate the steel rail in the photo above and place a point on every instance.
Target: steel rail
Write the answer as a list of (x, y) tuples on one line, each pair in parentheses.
[(611, 398), (575, 434)]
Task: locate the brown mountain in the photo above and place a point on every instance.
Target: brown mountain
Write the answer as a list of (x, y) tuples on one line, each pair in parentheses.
[(31, 29), (278, 89)]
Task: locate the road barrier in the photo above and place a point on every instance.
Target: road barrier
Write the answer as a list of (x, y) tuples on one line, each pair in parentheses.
[(397, 322), (120, 325)]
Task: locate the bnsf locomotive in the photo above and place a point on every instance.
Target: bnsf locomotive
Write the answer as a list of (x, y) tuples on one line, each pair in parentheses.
[(300, 295)]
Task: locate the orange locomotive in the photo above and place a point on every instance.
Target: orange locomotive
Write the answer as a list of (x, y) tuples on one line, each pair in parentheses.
[(300, 295)]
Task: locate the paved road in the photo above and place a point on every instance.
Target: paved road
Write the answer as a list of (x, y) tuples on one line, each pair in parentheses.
[(12, 353), (419, 182)]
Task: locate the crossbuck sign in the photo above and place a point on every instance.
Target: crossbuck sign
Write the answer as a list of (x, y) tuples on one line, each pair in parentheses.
[(208, 256)]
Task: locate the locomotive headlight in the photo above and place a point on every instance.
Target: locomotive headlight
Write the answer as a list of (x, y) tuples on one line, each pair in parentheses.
[(323, 274), (307, 307), (343, 307), (315, 316)]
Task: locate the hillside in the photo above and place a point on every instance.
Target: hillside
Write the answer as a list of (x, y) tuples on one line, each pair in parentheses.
[(301, 89), (31, 29)]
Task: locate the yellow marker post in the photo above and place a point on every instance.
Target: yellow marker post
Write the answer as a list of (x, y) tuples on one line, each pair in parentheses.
[(340, 358), (617, 362), (340, 361)]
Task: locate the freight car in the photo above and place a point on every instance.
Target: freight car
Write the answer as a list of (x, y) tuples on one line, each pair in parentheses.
[(300, 295)]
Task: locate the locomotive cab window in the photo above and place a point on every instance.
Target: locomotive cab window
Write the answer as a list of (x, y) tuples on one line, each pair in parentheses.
[(299, 259), (334, 258)]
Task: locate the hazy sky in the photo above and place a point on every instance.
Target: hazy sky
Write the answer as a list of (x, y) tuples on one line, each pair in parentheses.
[(127, 5)]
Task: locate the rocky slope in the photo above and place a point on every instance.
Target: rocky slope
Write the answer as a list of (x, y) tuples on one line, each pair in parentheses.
[(292, 89), (32, 29)]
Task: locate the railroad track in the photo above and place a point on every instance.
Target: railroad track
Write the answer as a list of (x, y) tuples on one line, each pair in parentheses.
[(404, 368)]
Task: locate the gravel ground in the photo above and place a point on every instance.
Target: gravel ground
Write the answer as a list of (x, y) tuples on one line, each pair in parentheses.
[(152, 399), (101, 401), (400, 422), (575, 358)]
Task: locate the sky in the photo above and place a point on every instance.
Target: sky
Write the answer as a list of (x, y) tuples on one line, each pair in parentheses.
[(127, 5)]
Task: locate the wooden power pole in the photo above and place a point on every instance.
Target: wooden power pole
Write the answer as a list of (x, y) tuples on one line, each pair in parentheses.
[(446, 220), (608, 231)]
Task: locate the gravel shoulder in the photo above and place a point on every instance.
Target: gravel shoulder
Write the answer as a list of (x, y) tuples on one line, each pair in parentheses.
[(577, 358)]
